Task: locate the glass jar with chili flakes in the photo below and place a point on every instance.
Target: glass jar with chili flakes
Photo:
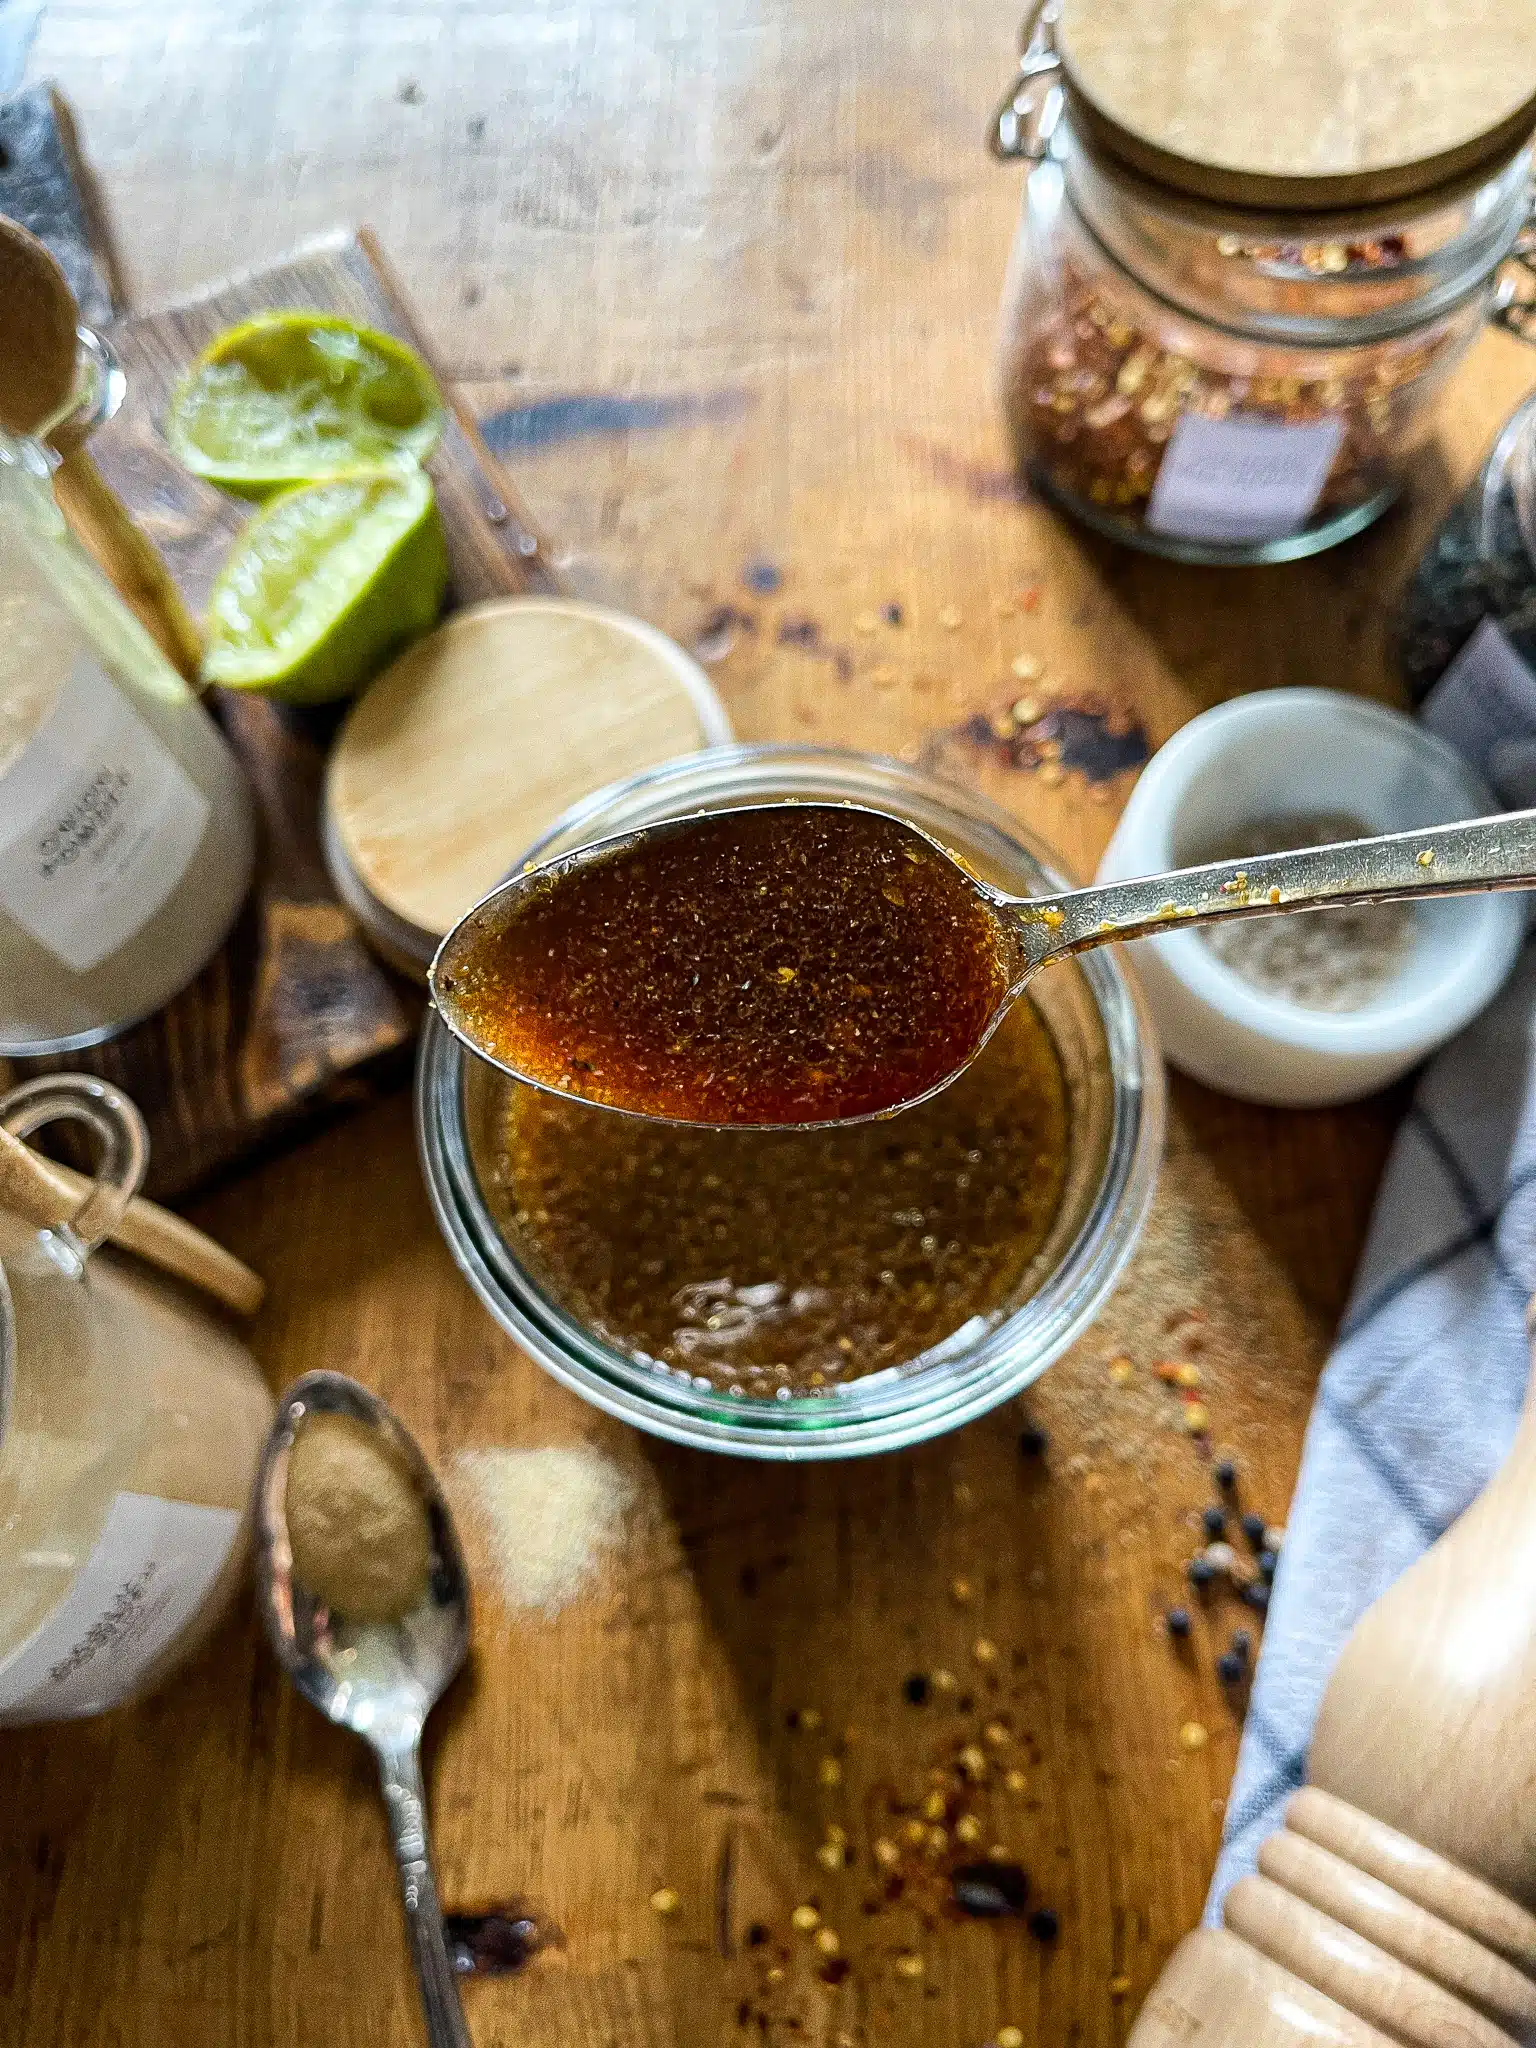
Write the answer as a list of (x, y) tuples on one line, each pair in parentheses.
[(1254, 243)]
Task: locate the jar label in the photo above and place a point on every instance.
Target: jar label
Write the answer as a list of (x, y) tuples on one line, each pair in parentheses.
[(98, 822), (1485, 707), (151, 1569), (1241, 479)]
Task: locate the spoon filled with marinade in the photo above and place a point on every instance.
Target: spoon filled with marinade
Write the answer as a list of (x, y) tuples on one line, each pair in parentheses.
[(794, 964)]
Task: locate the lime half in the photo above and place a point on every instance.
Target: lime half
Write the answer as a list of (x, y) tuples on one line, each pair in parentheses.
[(325, 584), (292, 397)]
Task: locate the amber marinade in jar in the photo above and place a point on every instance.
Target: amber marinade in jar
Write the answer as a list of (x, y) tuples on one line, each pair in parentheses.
[(779, 964), (772, 1263)]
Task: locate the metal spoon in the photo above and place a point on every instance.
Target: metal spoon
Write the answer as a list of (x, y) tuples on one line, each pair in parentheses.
[(381, 1680), (1480, 854)]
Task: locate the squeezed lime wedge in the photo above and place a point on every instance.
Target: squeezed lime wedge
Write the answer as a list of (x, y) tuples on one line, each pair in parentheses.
[(292, 397), (326, 583)]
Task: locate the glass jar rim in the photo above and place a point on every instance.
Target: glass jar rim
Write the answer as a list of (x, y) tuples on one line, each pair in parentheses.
[(1480, 214), (863, 1417)]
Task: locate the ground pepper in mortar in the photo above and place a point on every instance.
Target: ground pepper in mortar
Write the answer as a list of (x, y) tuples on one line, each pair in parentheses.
[(791, 963)]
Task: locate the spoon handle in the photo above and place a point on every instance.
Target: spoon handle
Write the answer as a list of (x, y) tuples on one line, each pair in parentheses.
[(1442, 860), (406, 1798)]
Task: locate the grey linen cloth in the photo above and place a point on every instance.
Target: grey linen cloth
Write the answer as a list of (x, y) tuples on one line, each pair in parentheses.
[(1420, 1398)]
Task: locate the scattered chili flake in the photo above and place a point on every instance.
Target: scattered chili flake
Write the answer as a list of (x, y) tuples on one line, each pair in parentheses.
[(1029, 600)]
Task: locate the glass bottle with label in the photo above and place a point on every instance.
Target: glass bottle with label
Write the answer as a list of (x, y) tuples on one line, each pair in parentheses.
[(1230, 309), (126, 828), (131, 1422)]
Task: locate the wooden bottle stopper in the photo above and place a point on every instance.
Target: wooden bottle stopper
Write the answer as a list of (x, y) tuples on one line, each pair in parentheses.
[(37, 375), (1396, 1907)]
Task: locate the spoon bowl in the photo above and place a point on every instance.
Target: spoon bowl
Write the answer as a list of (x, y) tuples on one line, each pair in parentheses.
[(380, 1679), (714, 946)]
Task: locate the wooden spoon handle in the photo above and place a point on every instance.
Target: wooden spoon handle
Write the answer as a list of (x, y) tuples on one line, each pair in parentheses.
[(100, 522), (48, 1195)]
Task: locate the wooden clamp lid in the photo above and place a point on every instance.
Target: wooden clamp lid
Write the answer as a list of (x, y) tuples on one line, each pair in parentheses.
[(1302, 103), (478, 737)]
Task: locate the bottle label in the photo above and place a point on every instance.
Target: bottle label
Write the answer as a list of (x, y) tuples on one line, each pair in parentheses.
[(1241, 479), (1484, 705), (151, 1569), (98, 822)]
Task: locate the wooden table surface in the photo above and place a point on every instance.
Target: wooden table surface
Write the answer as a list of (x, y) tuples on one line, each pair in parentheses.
[(722, 276)]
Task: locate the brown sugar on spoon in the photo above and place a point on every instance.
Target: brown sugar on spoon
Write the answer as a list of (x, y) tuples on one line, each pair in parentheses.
[(778, 965)]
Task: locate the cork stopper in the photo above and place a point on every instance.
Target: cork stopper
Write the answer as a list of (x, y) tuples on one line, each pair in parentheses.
[(1302, 103), (473, 742)]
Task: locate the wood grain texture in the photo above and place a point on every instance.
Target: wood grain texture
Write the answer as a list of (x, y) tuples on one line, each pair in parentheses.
[(721, 281)]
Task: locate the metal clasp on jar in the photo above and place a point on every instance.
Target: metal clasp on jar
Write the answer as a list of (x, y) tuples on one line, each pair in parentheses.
[(1514, 302), (1027, 115)]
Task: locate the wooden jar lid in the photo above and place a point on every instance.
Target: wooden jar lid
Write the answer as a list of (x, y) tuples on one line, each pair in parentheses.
[(1302, 103), (475, 741)]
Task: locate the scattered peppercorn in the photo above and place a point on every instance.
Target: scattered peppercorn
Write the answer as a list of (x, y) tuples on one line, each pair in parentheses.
[(1230, 1667), (1177, 1622), (763, 577), (915, 1690), (1242, 1644), (1257, 1595), (757, 1934), (1268, 1560), (1214, 1521), (990, 1891), (1200, 1571), (1253, 1529), (894, 615), (1043, 1924), (1033, 1442), (1225, 1474)]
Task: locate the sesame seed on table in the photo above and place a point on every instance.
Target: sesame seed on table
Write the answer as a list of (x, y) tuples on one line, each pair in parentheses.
[(722, 284)]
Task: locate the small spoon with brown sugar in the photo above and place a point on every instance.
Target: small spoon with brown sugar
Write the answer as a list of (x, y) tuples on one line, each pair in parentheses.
[(812, 963)]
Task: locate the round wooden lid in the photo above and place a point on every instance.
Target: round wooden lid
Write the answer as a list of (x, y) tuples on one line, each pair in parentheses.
[(1302, 103), (479, 736)]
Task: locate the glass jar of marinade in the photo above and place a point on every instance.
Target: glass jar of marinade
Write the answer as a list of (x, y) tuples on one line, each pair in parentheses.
[(1254, 243)]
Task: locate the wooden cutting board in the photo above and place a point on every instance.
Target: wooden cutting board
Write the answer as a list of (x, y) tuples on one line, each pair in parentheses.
[(295, 1016)]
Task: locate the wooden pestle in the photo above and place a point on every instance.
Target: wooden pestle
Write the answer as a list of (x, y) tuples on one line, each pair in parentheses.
[(37, 374), (1396, 1907)]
